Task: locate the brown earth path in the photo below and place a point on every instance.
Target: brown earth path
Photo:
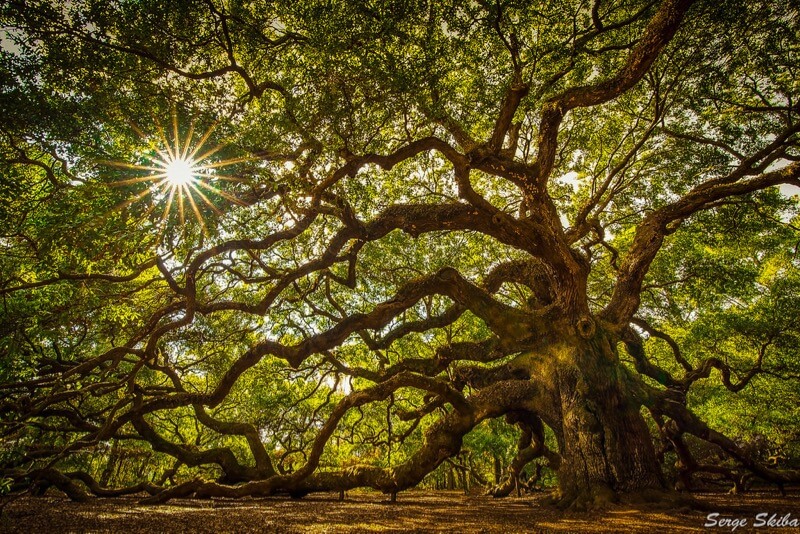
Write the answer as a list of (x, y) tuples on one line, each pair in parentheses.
[(415, 511)]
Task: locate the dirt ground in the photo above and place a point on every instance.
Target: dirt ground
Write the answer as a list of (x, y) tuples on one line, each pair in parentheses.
[(414, 511)]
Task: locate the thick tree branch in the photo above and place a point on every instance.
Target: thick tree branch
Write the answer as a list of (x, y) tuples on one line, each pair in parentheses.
[(657, 225), (659, 32)]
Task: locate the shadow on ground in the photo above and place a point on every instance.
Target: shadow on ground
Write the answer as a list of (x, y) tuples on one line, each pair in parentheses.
[(415, 511)]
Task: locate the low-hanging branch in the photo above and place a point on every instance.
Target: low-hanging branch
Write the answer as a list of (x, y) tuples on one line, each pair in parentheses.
[(369, 259)]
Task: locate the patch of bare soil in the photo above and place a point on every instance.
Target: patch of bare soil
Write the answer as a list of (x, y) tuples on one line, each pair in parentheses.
[(414, 511)]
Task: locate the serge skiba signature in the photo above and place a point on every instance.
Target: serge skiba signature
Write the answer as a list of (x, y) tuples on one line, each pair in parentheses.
[(760, 520)]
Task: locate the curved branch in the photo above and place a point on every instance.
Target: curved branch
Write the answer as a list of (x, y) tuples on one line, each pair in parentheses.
[(83, 277), (676, 350), (651, 232), (531, 446), (687, 421), (442, 441), (250, 432), (659, 32)]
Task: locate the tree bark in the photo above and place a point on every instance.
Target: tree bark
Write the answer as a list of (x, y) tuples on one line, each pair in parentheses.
[(607, 453)]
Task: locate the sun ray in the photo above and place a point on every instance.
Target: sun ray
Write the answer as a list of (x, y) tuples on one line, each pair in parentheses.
[(230, 161), (139, 179), (134, 166), (126, 203), (209, 153), (188, 143), (196, 210), (205, 198), (175, 135), (136, 129), (222, 193), (163, 137), (162, 225), (148, 212), (162, 159), (229, 178), (180, 204), (202, 142), (178, 167)]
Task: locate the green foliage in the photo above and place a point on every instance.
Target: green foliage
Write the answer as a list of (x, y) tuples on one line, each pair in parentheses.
[(96, 271)]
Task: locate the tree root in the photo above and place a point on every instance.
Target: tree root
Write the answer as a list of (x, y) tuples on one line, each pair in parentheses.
[(601, 497), (49, 477)]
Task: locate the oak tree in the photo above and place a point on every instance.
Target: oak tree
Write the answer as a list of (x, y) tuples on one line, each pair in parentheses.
[(312, 246)]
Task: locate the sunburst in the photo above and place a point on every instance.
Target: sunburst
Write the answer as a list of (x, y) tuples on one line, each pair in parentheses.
[(179, 174)]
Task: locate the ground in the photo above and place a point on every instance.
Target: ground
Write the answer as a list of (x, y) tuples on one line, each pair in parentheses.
[(415, 511)]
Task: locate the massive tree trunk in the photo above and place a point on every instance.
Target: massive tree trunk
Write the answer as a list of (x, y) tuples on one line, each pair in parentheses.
[(314, 282), (606, 448)]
